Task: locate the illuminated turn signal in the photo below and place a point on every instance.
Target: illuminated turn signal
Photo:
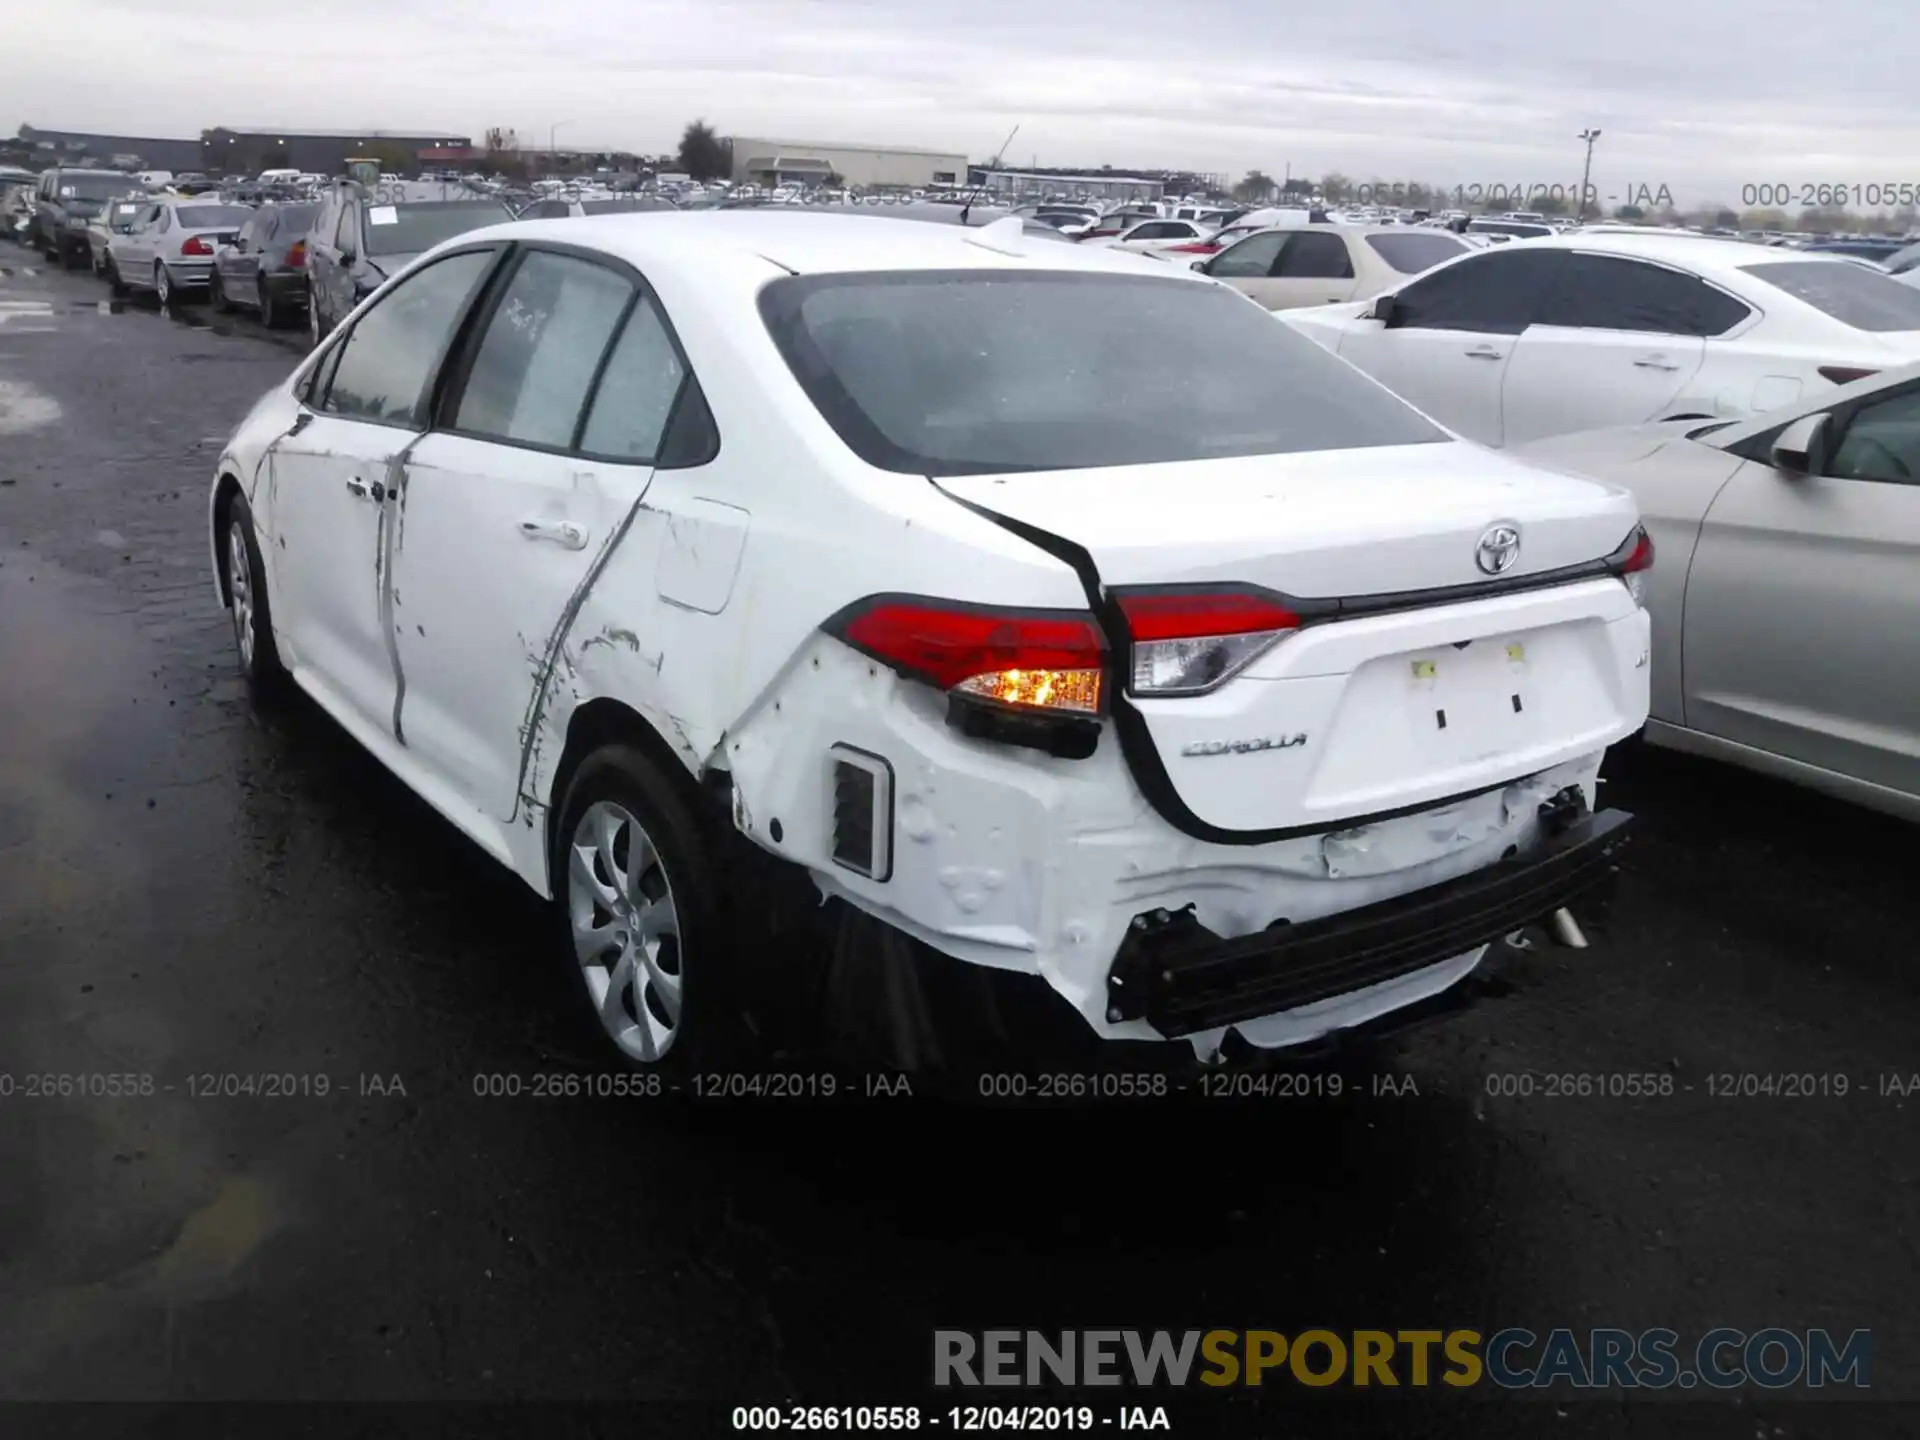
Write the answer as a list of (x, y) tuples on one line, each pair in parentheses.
[(1040, 689)]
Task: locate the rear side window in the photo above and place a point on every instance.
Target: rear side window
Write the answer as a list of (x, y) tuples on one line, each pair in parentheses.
[(1311, 256), (975, 372), (391, 352), (637, 391), (1607, 292), (1416, 250), (1495, 292), (536, 363), (1852, 295)]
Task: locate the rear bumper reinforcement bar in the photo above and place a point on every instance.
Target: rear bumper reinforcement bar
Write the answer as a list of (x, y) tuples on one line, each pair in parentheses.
[(1182, 978)]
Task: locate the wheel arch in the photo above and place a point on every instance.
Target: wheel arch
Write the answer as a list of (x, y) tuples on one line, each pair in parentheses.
[(604, 721), (224, 492)]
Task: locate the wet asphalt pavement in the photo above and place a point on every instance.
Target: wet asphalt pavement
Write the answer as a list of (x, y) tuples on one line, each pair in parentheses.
[(188, 891)]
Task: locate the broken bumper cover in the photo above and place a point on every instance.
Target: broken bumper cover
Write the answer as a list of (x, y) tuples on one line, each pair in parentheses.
[(1182, 978)]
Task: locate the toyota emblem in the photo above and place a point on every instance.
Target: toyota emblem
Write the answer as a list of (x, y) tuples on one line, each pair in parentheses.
[(1499, 548)]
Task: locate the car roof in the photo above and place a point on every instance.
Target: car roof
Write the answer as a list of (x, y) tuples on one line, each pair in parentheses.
[(814, 242)]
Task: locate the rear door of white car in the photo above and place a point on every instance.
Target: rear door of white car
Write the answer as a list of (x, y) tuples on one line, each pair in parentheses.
[(1313, 269), (548, 431), (1802, 618), (1452, 333), (1616, 342), (331, 483)]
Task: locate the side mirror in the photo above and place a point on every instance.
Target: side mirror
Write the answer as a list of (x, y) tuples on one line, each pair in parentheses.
[(1383, 309), (1801, 448), (347, 257), (1201, 265)]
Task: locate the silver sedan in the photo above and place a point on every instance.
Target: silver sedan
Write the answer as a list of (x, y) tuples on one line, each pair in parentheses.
[(1786, 594), (171, 246)]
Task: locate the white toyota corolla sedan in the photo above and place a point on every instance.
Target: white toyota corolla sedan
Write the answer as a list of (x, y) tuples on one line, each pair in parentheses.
[(1074, 624), (1603, 328)]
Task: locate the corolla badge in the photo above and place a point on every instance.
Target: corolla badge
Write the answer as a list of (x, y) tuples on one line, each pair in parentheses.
[(1498, 548), (1201, 748)]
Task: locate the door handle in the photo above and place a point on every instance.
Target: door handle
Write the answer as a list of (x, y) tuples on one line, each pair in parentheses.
[(1486, 352), (561, 532), (1655, 362), (367, 490)]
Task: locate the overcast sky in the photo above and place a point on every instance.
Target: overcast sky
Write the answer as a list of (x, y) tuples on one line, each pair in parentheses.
[(1703, 96)]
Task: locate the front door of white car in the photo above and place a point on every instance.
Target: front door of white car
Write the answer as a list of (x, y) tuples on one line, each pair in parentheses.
[(1802, 618), (331, 483), (546, 443), (1616, 342), (1450, 335)]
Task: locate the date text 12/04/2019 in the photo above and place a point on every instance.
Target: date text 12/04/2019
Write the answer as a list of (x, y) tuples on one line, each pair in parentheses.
[(1518, 195)]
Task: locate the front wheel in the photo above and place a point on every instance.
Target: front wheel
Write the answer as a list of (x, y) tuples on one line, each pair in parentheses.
[(636, 886), (248, 605)]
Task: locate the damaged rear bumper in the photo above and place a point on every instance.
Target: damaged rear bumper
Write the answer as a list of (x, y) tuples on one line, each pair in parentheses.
[(1181, 978)]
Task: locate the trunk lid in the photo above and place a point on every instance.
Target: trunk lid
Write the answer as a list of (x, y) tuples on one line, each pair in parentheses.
[(1390, 706)]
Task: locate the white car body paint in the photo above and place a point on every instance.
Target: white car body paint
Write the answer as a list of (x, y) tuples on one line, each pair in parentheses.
[(698, 595), (1510, 388)]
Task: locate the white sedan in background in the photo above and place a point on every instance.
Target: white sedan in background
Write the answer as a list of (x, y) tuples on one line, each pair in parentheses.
[(1579, 332), (1150, 236), (171, 245), (1786, 605), (1324, 264), (1059, 613)]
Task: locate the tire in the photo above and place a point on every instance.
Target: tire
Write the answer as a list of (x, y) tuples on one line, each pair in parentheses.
[(315, 332), (163, 284), (671, 1020), (68, 261), (271, 315), (250, 607), (115, 285), (217, 294)]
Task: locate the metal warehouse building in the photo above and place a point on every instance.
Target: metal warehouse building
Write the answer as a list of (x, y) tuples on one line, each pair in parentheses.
[(227, 151), (768, 162)]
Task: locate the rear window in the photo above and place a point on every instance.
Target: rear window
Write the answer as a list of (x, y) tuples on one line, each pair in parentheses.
[(294, 219), (977, 372), (1413, 252), (213, 217), (72, 185), (409, 229), (1861, 298)]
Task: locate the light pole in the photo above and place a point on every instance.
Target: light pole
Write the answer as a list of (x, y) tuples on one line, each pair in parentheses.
[(1587, 174), (553, 157)]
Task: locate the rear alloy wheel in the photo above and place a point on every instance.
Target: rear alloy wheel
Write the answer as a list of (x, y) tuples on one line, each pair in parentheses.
[(163, 284), (248, 605), (634, 881)]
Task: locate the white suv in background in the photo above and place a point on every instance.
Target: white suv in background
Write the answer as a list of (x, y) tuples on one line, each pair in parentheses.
[(1578, 332), (1073, 624)]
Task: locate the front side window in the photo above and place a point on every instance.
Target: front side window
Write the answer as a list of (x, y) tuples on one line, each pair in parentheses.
[(536, 362), (391, 353), (1251, 259), (1882, 442), (977, 372), (1491, 293), (637, 391), (1311, 256)]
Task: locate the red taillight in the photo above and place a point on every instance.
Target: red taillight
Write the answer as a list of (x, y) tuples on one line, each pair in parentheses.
[(196, 245), (1641, 556), (1844, 374), (1044, 660), (1190, 616), (1186, 643), (297, 255), (1632, 561)]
